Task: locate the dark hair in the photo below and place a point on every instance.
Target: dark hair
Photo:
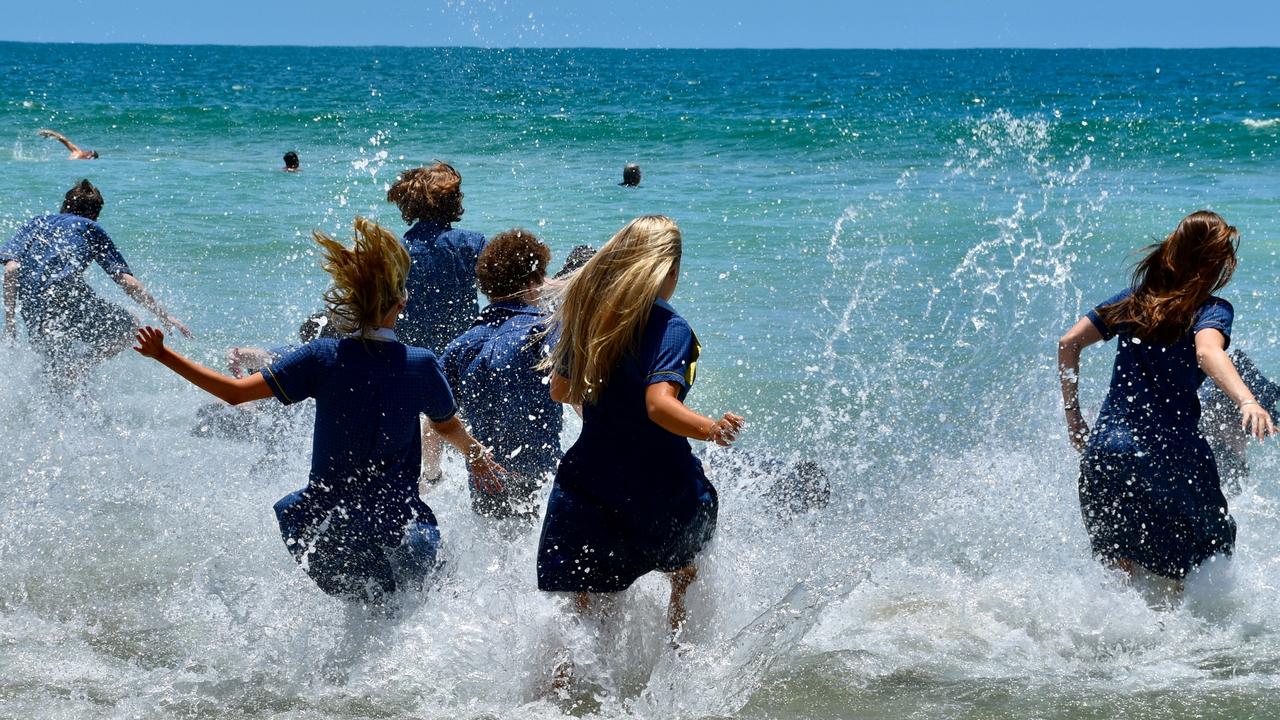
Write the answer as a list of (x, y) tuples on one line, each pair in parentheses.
[(433, 193), (1176, 277), (509, 262), (93, 154), (83, 200), (577, 257), (317, 325), (291, 159), (631, 174)]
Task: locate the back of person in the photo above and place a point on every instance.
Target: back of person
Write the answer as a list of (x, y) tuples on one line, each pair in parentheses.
[(442, 284), (55, 250), (503, 397)]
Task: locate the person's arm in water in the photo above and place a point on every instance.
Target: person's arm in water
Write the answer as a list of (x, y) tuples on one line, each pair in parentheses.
[(138, 292), (1080, 336), (76, 152), (662, 402), (11, 299), (484, 469), (1211, 353), (150, 343)]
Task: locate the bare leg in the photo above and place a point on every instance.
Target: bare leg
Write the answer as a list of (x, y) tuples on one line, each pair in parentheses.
[(676, 613), (432, 445), (562, 672)]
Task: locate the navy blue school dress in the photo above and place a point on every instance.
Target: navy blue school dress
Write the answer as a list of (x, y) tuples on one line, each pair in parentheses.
[(629, 497), (359, 527), (1149, 488), (441, 284), (507, 403)]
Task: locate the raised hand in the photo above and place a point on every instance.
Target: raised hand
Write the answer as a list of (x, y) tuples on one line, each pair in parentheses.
[(726, 429), (149, 342)]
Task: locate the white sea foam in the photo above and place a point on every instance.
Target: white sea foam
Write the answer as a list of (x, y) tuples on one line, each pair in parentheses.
[(1261, 124)]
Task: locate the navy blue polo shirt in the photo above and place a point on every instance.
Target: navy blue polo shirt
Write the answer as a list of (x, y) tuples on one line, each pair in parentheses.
[(369, 396), (442, 284), (504, 399), (55, 250)]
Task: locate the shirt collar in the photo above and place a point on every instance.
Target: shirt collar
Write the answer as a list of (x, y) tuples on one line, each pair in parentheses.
[(516, 306), (381, 334), (664, 304)]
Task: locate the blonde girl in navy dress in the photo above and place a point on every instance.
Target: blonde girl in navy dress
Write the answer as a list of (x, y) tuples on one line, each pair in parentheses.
[(629, 496), (358, 527), (1149, 488)]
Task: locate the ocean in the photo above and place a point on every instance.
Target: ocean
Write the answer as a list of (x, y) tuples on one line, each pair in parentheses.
[(881, 248)]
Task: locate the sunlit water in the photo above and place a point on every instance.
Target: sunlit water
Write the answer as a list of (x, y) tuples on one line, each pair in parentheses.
[(881, 249)]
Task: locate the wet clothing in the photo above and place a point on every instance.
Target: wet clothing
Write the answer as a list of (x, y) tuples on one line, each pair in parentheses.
[(57, 305), (1149, 488), (442, 284), (359, 527), (629, 497), (506, 402)]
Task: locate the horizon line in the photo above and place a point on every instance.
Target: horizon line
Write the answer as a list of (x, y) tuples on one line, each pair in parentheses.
[(1036, 48)]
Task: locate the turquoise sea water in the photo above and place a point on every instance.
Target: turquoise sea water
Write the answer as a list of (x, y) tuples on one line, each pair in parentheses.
[(881, 248)]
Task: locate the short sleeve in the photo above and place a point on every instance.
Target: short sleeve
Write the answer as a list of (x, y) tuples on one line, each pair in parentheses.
[(105, 252), (295, 376), (437, 397), (16, 247), (675, 357), (1216, 314), (451, 363), (1095, 315)]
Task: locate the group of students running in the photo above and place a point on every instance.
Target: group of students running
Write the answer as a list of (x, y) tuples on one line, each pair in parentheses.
[(629, 497)]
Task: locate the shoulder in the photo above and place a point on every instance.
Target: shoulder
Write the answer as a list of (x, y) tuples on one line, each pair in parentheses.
[(462, 238), (1215, 303), (1117, 297), (665, 317)]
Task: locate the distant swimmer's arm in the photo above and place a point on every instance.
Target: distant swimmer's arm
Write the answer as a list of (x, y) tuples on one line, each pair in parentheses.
[(150, 343), (487, 472), (1081, 335), (662, 402), (60, 138), (11, 298), (135, 290), (1211, 354)]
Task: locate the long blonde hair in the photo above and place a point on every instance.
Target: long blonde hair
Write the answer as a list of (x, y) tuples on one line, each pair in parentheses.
[(368, 280), (602, 310)]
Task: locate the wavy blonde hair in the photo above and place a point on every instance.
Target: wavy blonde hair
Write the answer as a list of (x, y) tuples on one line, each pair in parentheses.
[(601, 311), (368, 279)]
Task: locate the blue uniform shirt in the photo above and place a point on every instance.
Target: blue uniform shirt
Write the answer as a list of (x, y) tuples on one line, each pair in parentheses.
[(1153, 386), (54, 251), (369, 394), (442, 284), (505, 400)]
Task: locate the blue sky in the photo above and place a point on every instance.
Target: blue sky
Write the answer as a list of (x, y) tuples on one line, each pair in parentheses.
[(687, 23)]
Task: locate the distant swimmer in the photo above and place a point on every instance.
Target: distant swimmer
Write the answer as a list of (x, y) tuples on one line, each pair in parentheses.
[(291, 162), (76, 152), (44, 265), (1149, 488), (630, 175), (359, 528), (629, 497)]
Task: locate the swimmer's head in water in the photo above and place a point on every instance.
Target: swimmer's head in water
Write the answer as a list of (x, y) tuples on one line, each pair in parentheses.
[(368, 279), (631, 175), (83, 200), (1176, 277), (578, 257), (510, 262), (291, 161), (428, 193), (93, 154)]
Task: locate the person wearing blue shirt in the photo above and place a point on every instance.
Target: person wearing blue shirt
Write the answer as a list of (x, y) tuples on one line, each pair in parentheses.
[(492, 367), (44, 266), (629, 497), (1149, 488), (359, 527), (442, 281)]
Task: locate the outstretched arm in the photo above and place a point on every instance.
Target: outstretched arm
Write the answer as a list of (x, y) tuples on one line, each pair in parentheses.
[(60, 138), (1211, 353), (135, 290), (1080, 336), (10, 299), (662, 402), (150, 342), (480, 462)]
